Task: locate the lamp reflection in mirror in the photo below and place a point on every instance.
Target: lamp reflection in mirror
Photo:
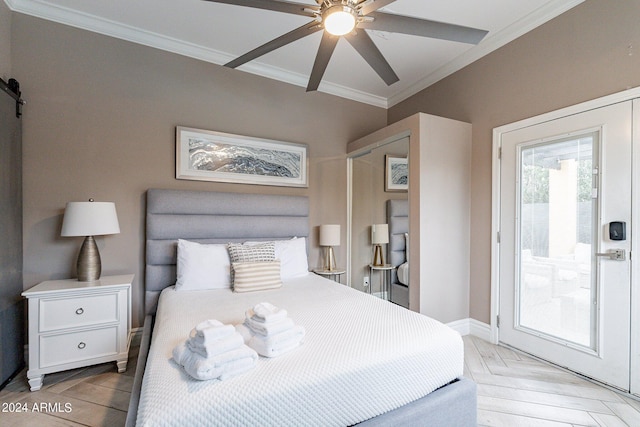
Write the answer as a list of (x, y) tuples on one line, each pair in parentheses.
[(329, 237), (89, 219), (379, 237)]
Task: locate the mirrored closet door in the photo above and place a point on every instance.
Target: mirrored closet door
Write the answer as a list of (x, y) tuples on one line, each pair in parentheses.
[(379, 177)]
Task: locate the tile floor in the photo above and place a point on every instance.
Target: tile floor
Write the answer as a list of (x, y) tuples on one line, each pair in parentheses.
[(517, 390)]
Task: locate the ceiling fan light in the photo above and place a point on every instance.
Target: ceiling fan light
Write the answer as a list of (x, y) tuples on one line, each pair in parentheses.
[(339, 20)]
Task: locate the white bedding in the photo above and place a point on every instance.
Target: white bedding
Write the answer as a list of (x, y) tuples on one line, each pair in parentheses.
[(403, 273), (362, 357)]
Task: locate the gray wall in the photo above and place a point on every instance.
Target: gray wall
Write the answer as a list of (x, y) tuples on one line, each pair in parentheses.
[(581, 55), (101, 121)]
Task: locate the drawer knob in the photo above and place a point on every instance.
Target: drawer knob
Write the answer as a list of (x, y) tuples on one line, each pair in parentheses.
[(80, 311), (81, 345)]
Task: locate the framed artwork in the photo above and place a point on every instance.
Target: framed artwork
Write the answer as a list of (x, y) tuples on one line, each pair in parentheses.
[(396, 177), (205, 155)]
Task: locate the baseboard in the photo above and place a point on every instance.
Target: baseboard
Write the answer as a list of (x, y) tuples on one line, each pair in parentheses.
[(473, 327)]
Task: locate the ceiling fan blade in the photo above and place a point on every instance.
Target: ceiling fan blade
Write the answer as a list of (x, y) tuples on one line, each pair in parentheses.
[(422, 27), (368, 6), (361, 41), (327, 46), (276, 5), (274, 44)]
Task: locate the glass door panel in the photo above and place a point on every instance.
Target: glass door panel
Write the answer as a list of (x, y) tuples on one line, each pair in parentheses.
[(558, 212)]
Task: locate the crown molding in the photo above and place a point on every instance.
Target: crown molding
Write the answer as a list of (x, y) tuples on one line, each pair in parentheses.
[(490, 44), (275, 73), (74, 18)]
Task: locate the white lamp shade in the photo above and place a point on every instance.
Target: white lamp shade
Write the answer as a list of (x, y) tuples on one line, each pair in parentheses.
[(330, 235), (90, 219), (379, 234)]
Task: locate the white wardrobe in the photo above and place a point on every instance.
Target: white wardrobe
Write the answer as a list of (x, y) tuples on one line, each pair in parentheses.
[(439, 210)]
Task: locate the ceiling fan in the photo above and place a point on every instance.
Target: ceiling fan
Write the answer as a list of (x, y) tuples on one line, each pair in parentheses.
[(343, 18)]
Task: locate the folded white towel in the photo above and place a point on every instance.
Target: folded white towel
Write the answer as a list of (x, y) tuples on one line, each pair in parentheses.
[(245, 332), (272, 352), (271, 328), (222, 366), (210, 348), (266, 312), (211, 330), (238, 367), (274, 345)]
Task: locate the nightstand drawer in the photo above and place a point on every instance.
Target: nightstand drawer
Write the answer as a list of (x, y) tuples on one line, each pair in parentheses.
[(65, 313), (68, 348)]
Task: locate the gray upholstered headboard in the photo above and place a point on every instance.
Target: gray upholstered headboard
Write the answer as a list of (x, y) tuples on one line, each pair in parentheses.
[(398, 220), (212, 217)]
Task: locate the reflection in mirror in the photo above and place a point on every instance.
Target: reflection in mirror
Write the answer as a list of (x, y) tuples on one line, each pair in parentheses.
[(378, 176)]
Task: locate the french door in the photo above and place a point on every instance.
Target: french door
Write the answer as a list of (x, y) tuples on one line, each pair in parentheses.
[(565, 241)]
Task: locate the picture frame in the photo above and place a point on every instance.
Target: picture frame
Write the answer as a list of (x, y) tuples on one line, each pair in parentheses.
[(205, 155), (396, 177)]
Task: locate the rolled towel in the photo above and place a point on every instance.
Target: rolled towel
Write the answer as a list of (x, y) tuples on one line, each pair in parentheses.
[(267, 313), (268, 329), (227, 364), (210, 348), (211, 329)]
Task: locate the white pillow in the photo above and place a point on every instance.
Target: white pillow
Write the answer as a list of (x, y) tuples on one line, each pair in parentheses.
[(293, 257), (292, 254), (202, 266)]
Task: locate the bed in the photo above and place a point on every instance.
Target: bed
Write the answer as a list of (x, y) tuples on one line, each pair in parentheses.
[(364, 361), (398, 220)]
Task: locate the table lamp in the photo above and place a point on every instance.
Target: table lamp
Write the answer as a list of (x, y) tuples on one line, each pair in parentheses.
[(329, 237), (89, 219), (379, 237)]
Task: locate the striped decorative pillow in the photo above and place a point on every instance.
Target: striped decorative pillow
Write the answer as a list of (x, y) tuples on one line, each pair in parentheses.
[(256, 276), (250, 253)]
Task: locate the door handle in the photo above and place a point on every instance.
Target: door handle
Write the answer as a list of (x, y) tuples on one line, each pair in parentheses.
[(614, 254)]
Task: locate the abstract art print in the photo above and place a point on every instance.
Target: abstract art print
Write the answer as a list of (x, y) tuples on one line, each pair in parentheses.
[(215, 156), (396, 173)]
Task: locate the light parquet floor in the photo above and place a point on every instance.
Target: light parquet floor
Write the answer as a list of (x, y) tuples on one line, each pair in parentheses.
[(513, 390), (517, 390)]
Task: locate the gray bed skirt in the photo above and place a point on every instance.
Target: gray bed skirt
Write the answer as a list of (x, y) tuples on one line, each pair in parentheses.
[(453, 405)]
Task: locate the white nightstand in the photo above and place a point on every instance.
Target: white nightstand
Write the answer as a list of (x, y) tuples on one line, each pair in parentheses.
[(331, 274), (74, 324)]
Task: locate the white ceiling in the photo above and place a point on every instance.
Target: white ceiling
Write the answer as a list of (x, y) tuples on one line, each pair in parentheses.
[(218, 33)]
